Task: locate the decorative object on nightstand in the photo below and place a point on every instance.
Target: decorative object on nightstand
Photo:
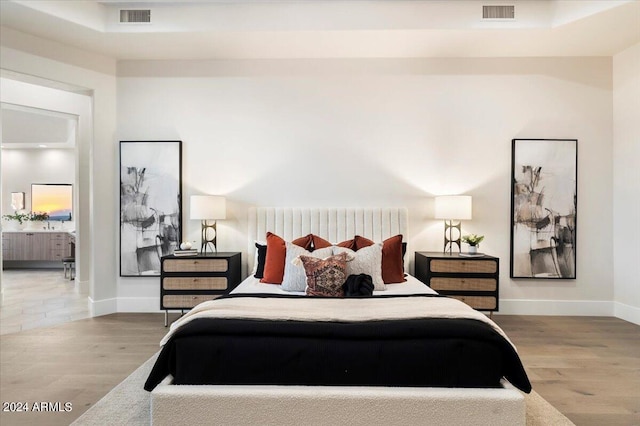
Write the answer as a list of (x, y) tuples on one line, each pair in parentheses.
[(474, 241), (473, 280), (185, 250), (188, 281), (452, 208), (189, 252), (208, 208)]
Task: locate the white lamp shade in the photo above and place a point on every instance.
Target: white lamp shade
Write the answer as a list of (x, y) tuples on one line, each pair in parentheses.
[(456, 207), (208, 207)]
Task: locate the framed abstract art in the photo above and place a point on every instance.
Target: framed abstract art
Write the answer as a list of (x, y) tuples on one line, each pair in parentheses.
[(150, 204), (544, 205)]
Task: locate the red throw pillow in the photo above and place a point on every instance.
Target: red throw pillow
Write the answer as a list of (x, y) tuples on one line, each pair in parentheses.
[(392, 261), (305, 242), (319, 243), (361, 242), (276, 255), (350, 244)]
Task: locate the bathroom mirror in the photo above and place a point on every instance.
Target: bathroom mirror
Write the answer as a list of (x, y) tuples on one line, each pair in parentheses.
[(54, 199)]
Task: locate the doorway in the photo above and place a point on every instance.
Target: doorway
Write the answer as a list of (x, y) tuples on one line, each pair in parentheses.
[(40, 152)]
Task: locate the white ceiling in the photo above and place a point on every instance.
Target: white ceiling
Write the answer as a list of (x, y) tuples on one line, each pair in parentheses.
[(219, 29), (24, 127), (330, 28)]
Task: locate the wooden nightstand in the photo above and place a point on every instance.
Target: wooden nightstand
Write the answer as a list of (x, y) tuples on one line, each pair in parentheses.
[(473, 280), (186, 281)]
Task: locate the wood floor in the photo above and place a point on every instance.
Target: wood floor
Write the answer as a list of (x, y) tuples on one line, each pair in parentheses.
[(77, 362), (34, 298), (587, 367)]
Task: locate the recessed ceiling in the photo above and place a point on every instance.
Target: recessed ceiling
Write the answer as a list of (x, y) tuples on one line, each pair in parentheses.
[(330, 29), (24, 127)]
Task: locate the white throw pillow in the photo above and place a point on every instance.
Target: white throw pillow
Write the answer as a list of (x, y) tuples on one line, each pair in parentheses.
[(295, 278), (367, 260)]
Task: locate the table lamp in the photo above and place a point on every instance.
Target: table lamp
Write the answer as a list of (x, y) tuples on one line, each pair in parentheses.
[(452, 208), (208, 208)]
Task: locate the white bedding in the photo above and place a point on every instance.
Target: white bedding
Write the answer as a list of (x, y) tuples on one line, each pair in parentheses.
[(411, 286)]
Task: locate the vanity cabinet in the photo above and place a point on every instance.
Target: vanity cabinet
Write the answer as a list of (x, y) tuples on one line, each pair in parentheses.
[(12, 246), (59, 246), (35, 246)]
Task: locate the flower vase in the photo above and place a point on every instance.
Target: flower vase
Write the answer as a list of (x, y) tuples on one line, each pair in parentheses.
[(473, 249)]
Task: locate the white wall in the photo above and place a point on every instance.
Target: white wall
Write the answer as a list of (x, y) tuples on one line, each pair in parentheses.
[(626, 183), (383, 132), (22, 167), (348, 133)]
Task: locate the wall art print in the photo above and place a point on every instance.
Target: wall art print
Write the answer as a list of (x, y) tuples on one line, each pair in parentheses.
[(544, 208), (150, 204)]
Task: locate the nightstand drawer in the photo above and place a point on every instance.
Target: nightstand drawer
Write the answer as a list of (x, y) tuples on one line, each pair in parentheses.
[(185, 301), (475, 281), (463, 284), (478, 302), (195, 265), (188, 281), (194, 283), (464, 266)]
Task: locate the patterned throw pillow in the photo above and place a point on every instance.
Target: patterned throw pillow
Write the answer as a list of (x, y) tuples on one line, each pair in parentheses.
[(294, 278), (325, 276)]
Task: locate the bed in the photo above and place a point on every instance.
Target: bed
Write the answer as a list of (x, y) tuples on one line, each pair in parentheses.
[(263, 355)]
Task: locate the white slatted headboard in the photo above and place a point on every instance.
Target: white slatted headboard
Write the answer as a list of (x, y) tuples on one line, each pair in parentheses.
[(332, 224)]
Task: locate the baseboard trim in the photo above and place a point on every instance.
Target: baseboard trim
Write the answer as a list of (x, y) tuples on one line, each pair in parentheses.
[(139, 304), (627, 312), (102, 307), (594, 308)]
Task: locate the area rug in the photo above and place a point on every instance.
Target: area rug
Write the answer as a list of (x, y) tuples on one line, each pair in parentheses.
[(129, 404)]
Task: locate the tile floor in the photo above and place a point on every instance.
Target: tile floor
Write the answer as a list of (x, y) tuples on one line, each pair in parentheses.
[(34, 298)]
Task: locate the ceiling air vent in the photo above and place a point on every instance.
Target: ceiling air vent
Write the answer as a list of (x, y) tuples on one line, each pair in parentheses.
[(498, 12), (135, 16)]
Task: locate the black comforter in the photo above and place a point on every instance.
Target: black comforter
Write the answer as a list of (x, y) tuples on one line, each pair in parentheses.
[(433, 352)]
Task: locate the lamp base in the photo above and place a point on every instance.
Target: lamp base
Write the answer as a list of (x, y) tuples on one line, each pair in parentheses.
[(208, 237), (449, 240)]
